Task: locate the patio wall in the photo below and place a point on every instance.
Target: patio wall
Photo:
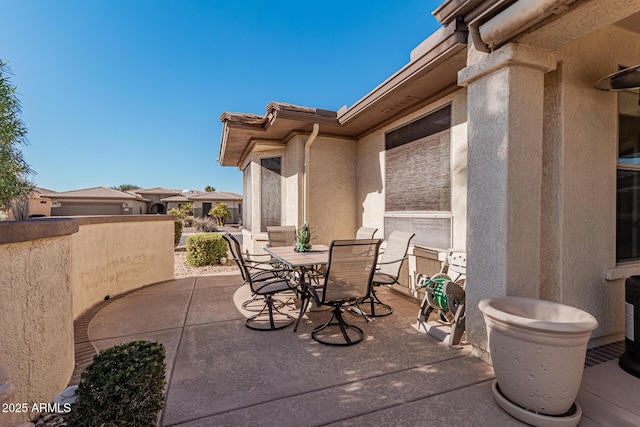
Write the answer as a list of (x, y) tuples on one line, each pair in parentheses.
[(53, 269), (113, 255)]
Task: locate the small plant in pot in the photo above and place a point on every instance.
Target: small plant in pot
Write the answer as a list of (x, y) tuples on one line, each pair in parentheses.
[(303, 238)]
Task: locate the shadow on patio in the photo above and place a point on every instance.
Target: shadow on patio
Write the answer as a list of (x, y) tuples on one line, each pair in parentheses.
[(221, 373)]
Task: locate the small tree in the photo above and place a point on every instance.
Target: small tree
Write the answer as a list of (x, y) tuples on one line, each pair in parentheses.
[(186, 208), (209, 189), (221, 213), (14, 171), (125, 187)]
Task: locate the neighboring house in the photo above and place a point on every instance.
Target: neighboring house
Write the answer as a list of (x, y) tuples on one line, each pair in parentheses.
[(174, 202), (96, 201), (155, 196), (204, 202), (38, 205), (107, 201), (492, 138)]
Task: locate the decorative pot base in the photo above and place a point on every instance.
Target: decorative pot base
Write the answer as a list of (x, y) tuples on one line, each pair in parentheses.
[(569, 419)]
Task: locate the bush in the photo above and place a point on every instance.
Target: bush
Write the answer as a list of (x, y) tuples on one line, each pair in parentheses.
[(205, 225), (188, 221), (205, 249), (122, 387), (177, 232)]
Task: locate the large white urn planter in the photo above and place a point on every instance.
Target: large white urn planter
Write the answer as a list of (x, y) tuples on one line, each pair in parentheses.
[(538, 350)]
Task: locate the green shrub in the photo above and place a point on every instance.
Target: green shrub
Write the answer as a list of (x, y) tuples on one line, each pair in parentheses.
[(205, 225), (177, 227), (122, 387), (205, 249), (177, 212)]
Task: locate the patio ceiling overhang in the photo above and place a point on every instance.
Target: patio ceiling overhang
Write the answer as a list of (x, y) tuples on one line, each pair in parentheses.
[(431, 74)]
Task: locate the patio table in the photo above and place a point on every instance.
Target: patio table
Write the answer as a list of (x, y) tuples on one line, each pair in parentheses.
[(303, 263)]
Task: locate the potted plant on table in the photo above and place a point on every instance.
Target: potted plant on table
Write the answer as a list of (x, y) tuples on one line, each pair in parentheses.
[(303, 237)]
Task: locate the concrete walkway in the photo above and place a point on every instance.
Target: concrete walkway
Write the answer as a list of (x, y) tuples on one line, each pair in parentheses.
[(220, 373)]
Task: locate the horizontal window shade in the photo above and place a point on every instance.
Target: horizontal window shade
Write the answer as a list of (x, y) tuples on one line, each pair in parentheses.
[(418, 175), (429, 232)]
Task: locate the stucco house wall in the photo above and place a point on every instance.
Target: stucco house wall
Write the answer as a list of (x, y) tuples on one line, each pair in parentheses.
[(586, 193), (332, 186)]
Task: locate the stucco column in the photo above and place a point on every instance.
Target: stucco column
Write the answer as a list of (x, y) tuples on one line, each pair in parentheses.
[(504, 121)]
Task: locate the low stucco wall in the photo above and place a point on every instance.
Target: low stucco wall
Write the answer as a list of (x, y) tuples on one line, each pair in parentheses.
[(35, 307), (51, 270), (113, 255)]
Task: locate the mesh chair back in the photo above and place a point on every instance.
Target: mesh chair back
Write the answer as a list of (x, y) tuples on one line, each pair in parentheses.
[(365, 233), (281, 235), (397, 248), (350, 270), (236, 253)]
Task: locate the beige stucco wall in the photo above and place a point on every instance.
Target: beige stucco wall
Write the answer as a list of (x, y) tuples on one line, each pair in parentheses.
[(36, 338), (586, 193), (293, 167), (116, 257), (332, 186)]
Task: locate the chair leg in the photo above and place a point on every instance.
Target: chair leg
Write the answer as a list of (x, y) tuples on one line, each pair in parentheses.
[(373, 307), (304, 304), (255, 303), (257, 321), (343, 327)]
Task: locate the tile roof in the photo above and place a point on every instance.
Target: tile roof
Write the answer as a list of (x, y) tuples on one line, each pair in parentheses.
[(216, 195), (157, 190), (92, 193)]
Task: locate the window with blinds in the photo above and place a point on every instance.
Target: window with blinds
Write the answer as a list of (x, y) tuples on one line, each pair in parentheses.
[(418, 179), (270, 192)]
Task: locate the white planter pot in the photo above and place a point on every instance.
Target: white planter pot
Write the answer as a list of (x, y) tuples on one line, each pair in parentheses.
[(538, 350)]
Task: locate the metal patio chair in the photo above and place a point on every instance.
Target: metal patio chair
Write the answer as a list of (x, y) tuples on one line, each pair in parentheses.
[(278, 236), (264, 284), (387, 273), (365, 233), (347, 281)]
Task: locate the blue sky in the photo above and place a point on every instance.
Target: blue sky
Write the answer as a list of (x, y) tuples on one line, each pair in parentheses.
[(131, 91)]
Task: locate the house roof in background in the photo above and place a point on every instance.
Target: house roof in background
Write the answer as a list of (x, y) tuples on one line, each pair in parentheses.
[(40, 192), (93, 193), (157, 190), (217, 196), (178, 198)]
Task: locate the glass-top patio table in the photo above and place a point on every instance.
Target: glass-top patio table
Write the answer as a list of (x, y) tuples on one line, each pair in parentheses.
[(303, 263)]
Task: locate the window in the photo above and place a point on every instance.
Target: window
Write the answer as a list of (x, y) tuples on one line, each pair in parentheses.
[(628, 178), (246, 189), (270, 192), (418, 179)]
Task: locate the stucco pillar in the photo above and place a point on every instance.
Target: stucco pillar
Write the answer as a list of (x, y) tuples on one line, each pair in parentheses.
[(505, 92)]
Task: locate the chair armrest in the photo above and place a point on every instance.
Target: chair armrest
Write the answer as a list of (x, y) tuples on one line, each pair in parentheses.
[(393, 262)]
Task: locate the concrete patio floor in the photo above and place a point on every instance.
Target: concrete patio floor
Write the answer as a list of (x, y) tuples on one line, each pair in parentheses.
[(221, 373)]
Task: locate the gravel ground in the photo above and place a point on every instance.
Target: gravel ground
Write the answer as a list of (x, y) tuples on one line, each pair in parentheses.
[(182, 269)]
